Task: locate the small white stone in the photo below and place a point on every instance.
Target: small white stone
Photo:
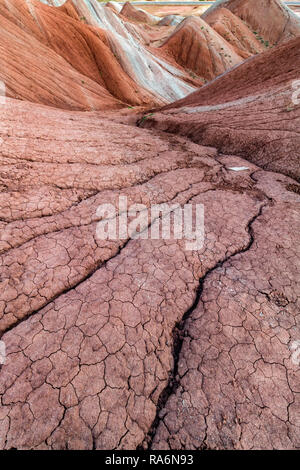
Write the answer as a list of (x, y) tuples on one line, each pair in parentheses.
[(238, 168)]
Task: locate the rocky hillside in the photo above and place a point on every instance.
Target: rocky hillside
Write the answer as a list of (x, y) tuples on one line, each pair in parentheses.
[(144, 339)]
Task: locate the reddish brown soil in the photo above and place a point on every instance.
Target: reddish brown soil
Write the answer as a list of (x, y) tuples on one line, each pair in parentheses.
[(105, 67), (136, 14), (142, 343), (89, 325), (53, 81), (236, 387), (247, 111), (83, 48), (270, 18), (200, 49), (234, 31)]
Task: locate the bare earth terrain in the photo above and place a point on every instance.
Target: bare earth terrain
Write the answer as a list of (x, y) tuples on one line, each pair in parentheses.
[(142, 343)]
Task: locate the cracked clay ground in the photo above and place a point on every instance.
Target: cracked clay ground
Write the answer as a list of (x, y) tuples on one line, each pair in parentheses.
[(129, 344)]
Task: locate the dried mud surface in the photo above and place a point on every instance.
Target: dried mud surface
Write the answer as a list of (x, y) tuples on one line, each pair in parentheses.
[(255, 118), (141, 343)]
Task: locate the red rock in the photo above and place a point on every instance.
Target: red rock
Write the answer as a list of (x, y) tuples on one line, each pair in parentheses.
[(54, 81), (197, 47), (271, 19), (109, 64), (147, 69), (85, 49), (137, 14), (233, 388), (248, 111), (170, 20), (116, 7), (234, 31), (130, 343)]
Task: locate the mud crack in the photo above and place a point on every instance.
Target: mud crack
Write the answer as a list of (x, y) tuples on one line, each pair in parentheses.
[(178, 334)]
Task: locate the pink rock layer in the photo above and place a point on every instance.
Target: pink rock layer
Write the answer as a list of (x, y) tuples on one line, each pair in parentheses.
[(92, 328), (143, 343), (249, 111)]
